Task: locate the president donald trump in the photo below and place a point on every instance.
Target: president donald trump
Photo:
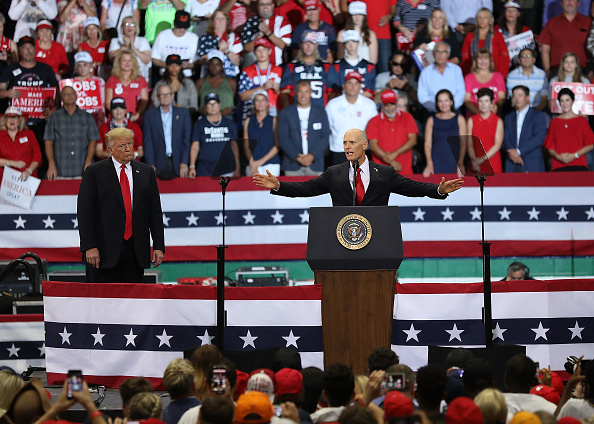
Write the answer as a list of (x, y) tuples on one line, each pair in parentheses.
[(118, 211)]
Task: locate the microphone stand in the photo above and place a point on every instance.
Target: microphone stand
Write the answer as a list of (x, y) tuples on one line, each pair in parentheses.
[(221, 318), (355, 167), (487, 309)]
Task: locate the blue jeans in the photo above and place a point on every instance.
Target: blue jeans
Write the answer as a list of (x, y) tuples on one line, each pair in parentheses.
[(384, 47)]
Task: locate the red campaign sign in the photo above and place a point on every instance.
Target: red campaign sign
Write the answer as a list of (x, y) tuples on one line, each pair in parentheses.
[(34, 101), (90, 92), (584, 97)]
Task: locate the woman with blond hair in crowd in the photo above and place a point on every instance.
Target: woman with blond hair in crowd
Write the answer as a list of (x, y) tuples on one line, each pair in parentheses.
[(94, 43), (485, 36), (178, 380), (10, 384), (19, 148), (127, 82), (202, 360), (569, 71), (492, 404), (145, 405), (483, 75), (438, 30), (129, 39)]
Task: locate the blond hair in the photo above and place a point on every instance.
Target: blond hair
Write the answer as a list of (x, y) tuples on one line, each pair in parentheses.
[(119, 133), (178, 378), (10, 384), (133, 20), (445, 30), (145, 405), (492, 404), (22, 122), (483, 51), (116, 71)]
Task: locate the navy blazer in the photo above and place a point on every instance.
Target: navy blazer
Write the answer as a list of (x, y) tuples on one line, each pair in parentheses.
[(383, 181), (289, 137), (102, 216), (534, 131), (154, 139)]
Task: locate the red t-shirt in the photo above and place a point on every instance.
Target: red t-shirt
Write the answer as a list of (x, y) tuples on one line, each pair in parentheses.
[(97, 53), (292, 11), (569, 136), (24, 147), (390, 135), (375, 10), (129, 93), (564, 36), (55, 56)]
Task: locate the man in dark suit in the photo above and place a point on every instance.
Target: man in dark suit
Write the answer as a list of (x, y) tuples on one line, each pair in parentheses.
[(373, 182), (303, 134), (524, 147), (167, 130), (118, 210)]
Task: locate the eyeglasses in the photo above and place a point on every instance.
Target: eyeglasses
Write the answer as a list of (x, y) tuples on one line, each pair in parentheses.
[(130, 24), (397, 63), (523, 56), (440, 51), (164, 94)]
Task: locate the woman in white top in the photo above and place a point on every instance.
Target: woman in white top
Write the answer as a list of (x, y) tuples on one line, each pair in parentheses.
[(27, 13), (110, 11), (357, 20), (129, 39)]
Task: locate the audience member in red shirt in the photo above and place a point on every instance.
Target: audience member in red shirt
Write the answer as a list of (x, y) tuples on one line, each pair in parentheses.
[(50, 52), (19, 148)]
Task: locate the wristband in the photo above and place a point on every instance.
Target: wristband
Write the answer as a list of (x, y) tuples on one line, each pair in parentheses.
[(577, 156), (192, 166), (95, 415)]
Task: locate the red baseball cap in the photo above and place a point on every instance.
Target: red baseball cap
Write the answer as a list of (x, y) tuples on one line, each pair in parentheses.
[(311, 4), (389, 96), (289, 384), (354, 74), (463, 410), (546, 392), (396, 405), (262, 42)]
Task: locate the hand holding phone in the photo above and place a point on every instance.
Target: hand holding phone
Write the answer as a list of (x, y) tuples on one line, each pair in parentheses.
[(74, 382)]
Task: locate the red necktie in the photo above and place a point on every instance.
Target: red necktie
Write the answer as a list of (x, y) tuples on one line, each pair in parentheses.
[(125, 185), (360, 187)]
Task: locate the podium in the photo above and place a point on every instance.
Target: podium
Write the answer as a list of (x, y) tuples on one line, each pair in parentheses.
[(354, 252)]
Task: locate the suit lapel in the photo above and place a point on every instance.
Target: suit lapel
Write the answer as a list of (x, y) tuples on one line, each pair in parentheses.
[(112, 178), (160, 124), (525, 123)]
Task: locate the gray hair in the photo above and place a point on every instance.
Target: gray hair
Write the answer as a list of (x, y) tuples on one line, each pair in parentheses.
[(443, 43)]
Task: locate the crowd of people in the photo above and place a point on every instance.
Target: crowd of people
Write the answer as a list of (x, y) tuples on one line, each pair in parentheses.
[(187, 76), (210, 389)]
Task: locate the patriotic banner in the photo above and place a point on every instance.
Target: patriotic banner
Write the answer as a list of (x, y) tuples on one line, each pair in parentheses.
[(584, 97), (34, 101), (516, 43), (424, 58), (537, 214), (148, 325), (16, 191), (22, 341), (90, 92)]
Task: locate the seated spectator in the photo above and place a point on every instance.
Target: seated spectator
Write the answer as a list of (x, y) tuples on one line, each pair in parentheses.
[(8, 48), (569, 71), (438, 76), (118, 120), (316, 71), (202, 360), (184, 90), (445, 149), (262, 75), (392, 135), (398, 78), (411, 17), (569, 137), (159, 16), (70, 138), (527, 74), (178, 380), (567, 32), (483, 75), (431, 386), (19, 148), (492, 404), (219, 36), (209, 136), (222, 387), (83, 70), (519, 378), (112, 15), (347, 111), (322, 32), (167, 131), (488, 129), (177, 41), (485, 36), (93, 43), (261, 126), (130, 40), (524, 132), (339, 388), (438, 30), (303, 133), (200, 11), (72, 15), (126, 82), (217, 82), (267, 24), (357, 20), (131, 387), (352, 62), (50, 52), (26, 14), (145, 405)]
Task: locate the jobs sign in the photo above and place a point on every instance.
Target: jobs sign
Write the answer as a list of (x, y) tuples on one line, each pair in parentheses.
[(90, 92)]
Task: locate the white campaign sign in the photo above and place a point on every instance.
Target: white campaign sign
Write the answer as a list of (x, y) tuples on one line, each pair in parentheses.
[(16, 191)]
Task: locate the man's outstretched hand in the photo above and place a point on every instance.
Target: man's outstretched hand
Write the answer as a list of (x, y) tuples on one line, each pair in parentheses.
[(268, 181), (446, 187)]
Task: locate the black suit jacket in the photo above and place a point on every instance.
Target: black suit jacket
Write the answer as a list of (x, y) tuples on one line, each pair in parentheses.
[(383, 180), (102, 216)]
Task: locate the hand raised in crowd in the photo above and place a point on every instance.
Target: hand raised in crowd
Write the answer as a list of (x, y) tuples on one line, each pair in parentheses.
[(545, 376), (268, 181)]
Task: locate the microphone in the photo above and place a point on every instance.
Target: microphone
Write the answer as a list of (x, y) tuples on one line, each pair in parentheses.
[(355, 167)]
